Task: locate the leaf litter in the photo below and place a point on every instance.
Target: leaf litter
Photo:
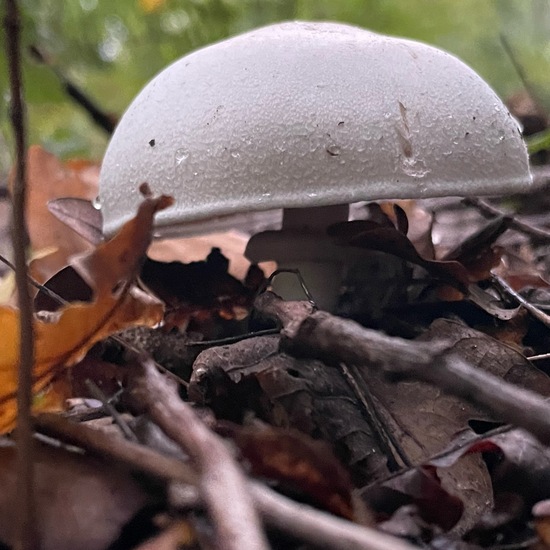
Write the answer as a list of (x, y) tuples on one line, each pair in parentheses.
[(377, 430)]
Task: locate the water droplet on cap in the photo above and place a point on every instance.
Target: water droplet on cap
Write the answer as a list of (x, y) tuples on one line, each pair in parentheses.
[(181, 156)]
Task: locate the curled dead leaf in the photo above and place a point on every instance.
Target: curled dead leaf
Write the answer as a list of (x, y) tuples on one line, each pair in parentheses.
[(110, 271)]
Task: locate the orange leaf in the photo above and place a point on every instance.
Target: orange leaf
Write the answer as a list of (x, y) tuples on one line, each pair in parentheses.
[(110, 270)]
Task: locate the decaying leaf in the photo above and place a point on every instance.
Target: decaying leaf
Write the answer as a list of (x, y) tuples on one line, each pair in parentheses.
[(199, 295), (374, 236), (80, 215), (423, 420), (253, 375), (109, 270), (419, 486), (520, 472), (454, 275), (297, 462), (419, 224)]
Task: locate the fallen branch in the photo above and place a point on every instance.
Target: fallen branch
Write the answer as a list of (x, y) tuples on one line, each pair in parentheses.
[(333, 339), (319, 528), (299, 520), (222, 485), (276, 510), (136, 456)]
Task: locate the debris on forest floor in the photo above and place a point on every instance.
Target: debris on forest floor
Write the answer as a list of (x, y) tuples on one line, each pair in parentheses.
[(413, 416)]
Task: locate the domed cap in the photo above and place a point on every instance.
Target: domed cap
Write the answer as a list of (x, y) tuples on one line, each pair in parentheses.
[(308, 114)]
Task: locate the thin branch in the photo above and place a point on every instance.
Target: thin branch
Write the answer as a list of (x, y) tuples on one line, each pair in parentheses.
[(320, 528), (222, 485), (333, 339), (97, 393), (276, 510), (540, 357), (177, 420), (26, 537), (104, 120), (537, 313), (488, 210), (138, 457), (36, 284), (232, 339), (392, 449)]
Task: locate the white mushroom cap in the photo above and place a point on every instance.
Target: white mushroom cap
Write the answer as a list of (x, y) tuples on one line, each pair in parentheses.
[(308, 114)]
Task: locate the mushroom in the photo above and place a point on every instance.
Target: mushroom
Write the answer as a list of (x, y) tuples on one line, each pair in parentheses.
[(308, 117)]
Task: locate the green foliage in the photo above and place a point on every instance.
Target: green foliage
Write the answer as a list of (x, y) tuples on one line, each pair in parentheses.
[(111, 48), (538, 142)]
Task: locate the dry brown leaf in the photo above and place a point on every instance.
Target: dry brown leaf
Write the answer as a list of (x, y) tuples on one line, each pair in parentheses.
[(109, 270), (47, 179), (253, 376), (201, 295), (298, 461), (374, 236)]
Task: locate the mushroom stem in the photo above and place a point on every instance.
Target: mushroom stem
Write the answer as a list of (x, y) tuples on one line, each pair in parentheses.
[(302, 244)]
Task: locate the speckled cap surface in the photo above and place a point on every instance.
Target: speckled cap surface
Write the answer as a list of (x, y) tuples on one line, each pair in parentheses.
[(308, 114)]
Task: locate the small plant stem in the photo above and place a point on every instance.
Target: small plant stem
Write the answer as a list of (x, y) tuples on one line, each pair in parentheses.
[(25, 530)]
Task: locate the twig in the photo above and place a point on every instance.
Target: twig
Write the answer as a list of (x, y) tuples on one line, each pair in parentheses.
[(334, 339), (104, 120), (533, 310), (391, 448), (300, 278), (98, 394), (36, 284), (539, 357), (320, 528), (276, 510), (222, 484), (26, 535), (177, 420), (488, 210), (137, 456), (232, 339)]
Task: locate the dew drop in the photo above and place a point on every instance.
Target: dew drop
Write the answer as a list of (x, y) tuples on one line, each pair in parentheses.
[(181, 156), (96, 203), (334, 150)]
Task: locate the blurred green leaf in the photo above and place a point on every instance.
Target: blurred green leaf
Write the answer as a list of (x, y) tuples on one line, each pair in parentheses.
[(538, 142)]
